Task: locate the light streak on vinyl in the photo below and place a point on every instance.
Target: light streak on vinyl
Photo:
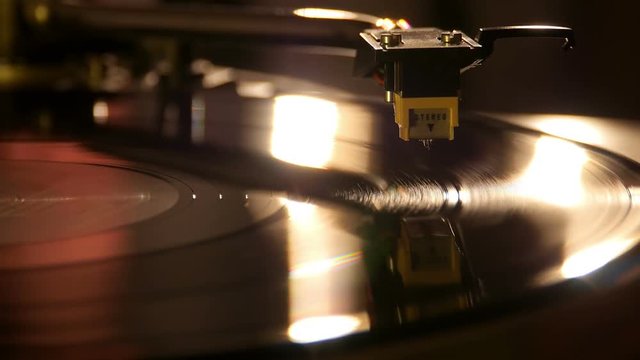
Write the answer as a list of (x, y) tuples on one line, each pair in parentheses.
[(554, 175), (594, 257), (316, 307), (255, 89), (304, 129), (299, 211), (322, 266), (570, 127), (313, 329)]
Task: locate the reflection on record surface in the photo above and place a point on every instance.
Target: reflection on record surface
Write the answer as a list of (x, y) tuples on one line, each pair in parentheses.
[(188, 178), (323, 225)]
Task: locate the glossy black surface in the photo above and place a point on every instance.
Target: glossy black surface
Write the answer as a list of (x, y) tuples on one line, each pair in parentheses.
[(233, 245)]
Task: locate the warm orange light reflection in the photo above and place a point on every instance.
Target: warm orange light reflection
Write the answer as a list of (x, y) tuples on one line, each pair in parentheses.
[(554, 175), (634, 192), (304, 129), (320, 328), (100, 112), (385, 24), (592, 258), (255, 89), (322, 266), (324, 296), (320, 13), (570, 127), (299, 211), (403, 24)]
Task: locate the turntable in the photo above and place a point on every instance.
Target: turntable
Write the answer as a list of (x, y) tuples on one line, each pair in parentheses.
[(175, 186)]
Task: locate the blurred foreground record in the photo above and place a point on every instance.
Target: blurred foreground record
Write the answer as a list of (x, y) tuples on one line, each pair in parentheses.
[(505, 242)]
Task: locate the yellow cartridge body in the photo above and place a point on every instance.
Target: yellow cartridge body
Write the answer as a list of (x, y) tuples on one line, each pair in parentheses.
[(426, 117)]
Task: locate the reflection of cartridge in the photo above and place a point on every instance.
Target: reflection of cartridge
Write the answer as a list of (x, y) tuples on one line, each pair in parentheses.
[(417, 269), (429, 262), (421, 67), (426, 253)]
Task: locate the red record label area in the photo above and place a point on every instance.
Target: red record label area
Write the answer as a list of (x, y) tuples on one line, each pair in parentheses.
[(62, 204)]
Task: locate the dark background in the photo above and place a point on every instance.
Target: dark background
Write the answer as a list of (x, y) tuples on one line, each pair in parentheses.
[(599, 77)]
